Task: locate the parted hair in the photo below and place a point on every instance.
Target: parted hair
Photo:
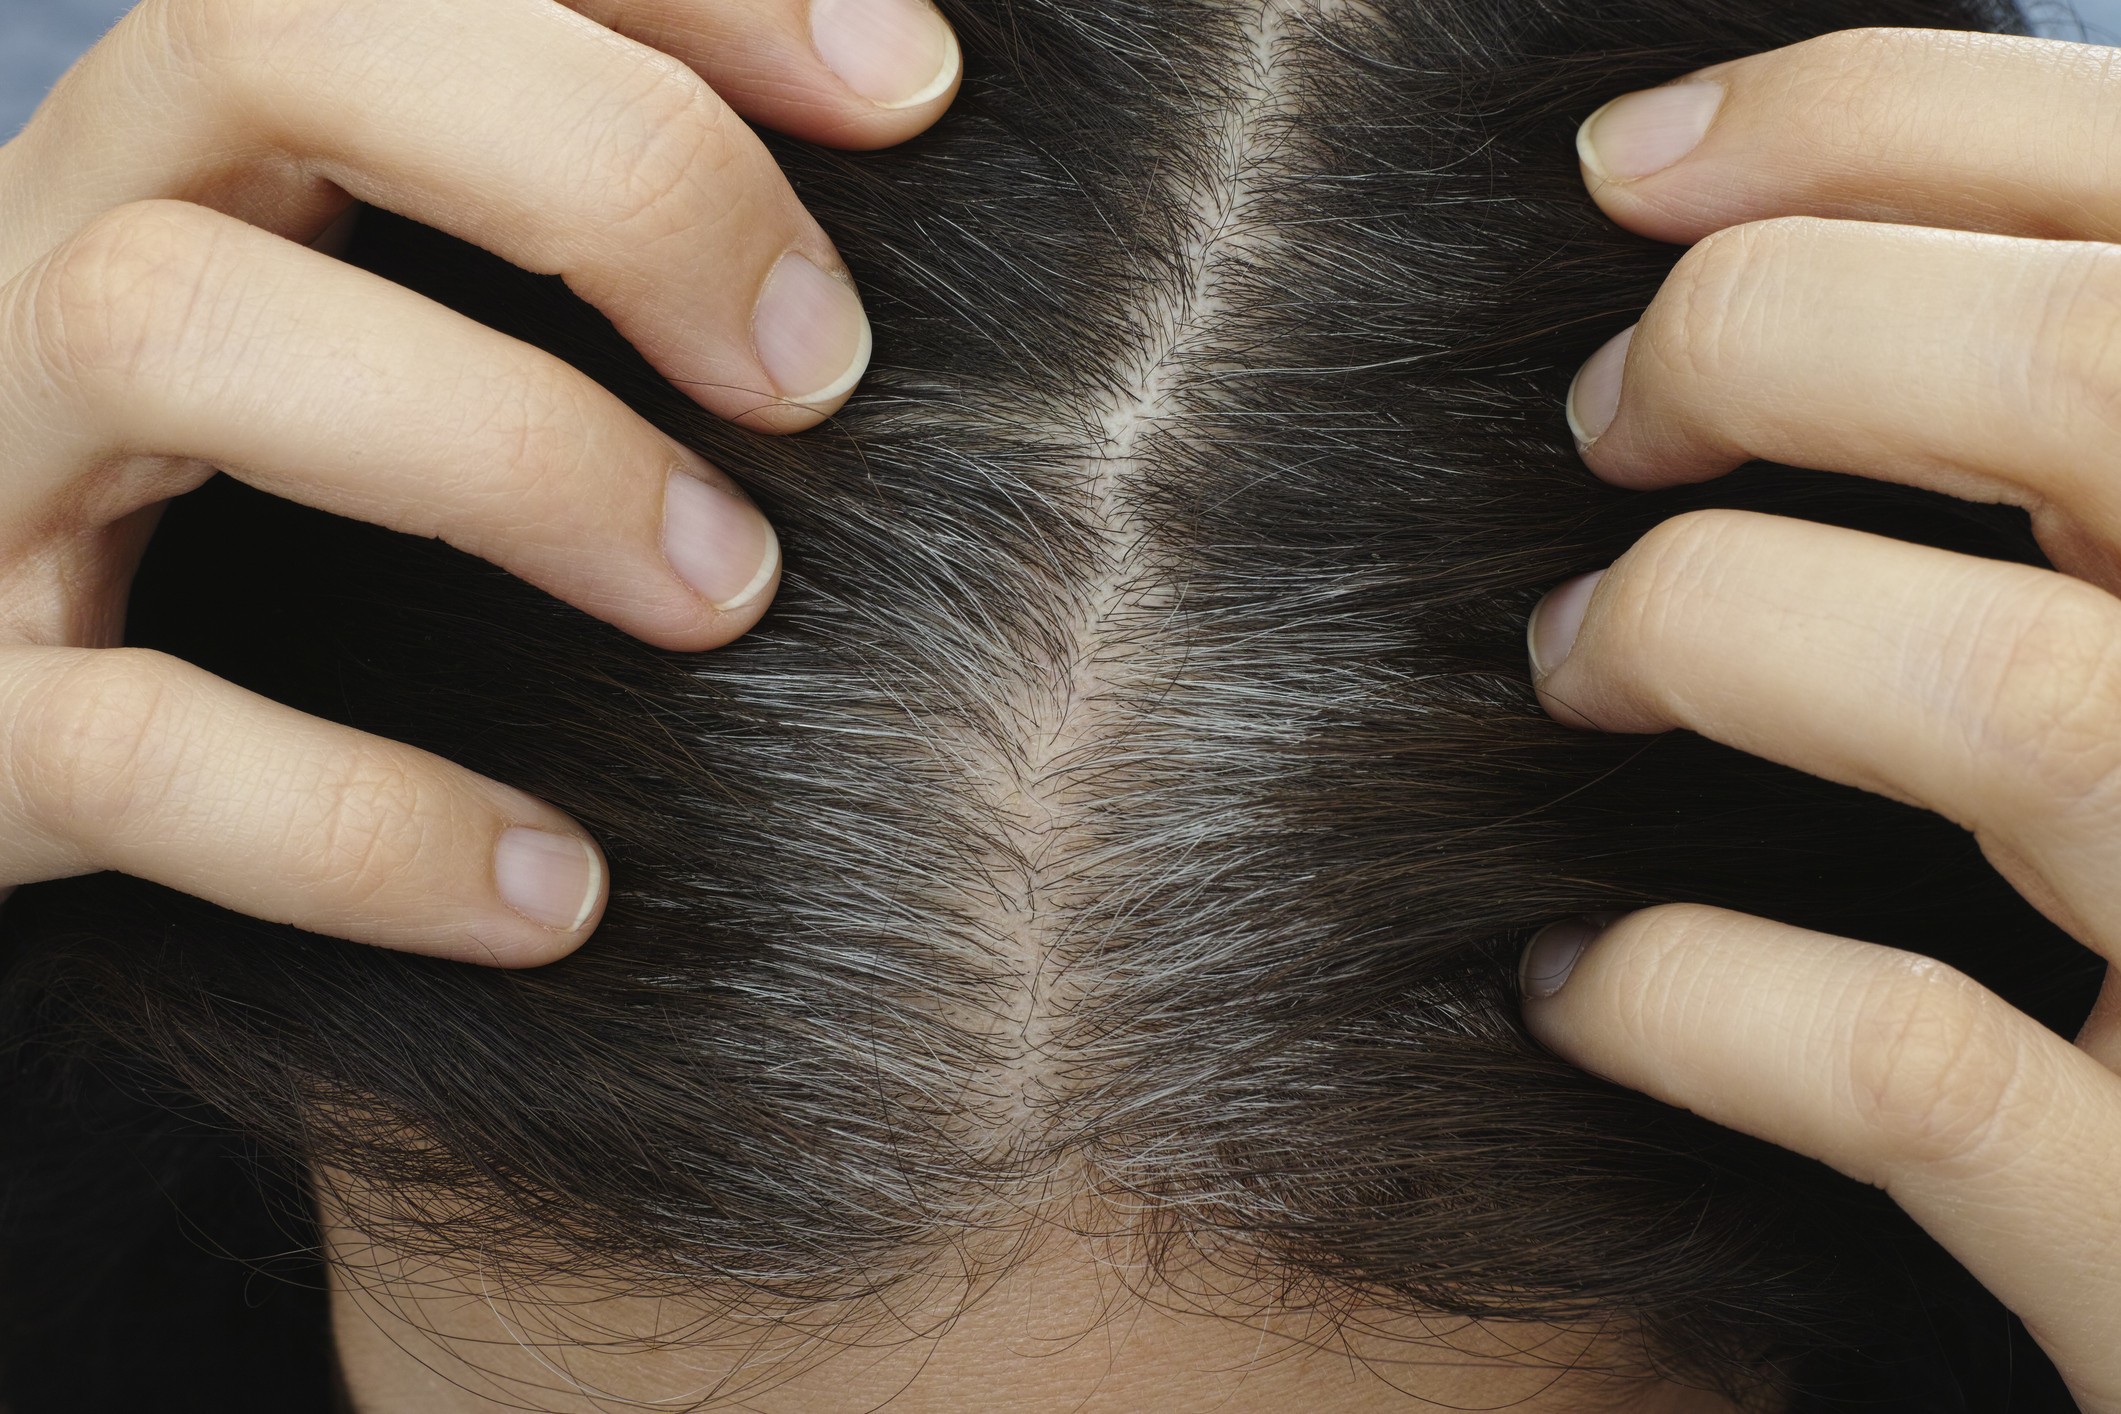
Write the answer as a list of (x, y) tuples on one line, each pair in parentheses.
[(1136, 789)]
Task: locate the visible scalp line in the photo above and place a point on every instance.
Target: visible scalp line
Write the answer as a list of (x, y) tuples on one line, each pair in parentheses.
[(1069, 706)]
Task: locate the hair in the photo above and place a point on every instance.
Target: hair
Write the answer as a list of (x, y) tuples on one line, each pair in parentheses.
[(1136, 789)]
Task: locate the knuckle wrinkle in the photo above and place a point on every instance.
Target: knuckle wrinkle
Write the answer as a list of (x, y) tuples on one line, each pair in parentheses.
[(115, 302), (1933, 1070), (1667, 572), (97, 743), (1696, 328), (676, 141), (374, 829), (2073, 374), (2041, 688)]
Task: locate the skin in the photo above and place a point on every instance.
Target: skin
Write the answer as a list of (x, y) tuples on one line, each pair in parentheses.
[(169, 305), (1902, 268), (1069, 1324)]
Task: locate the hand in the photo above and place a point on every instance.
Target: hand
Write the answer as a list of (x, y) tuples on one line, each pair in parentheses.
[(162, 314), (1901, 271)]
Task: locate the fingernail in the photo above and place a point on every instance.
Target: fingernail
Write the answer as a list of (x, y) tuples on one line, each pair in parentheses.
[(895, 53), (1554, 950), (1647, 131), (1551, 634), (810, 332), (553, 880), (718, 542), (1594, 394)]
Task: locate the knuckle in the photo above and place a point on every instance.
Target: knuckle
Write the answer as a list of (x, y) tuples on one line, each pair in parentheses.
[(1665, 574), (1650, 975), (1702, 326), (2098, 70), (1662, 945), (1866, 52), (98, 741), (1664, 930), (381, 818), (675, 141), (2039, 692), (247, 40), (545, 423), (2071, 374), (1836, 82), (199, 35), (550, 429), (122, 299), (1933, 1068)]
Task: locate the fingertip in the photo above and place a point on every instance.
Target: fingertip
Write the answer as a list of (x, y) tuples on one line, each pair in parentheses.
[(751, 600), (775, 417), (1637, 454), (1550, 957), (1594, 393), (544, 889), (720, 546), (1640, 134), (1641, 159), (1555, 622), (818, 106), (899, 56), (513, 949), (723, 624), (812, 337), (553, 878)]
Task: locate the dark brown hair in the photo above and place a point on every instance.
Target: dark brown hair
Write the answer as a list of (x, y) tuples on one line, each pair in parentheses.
[(1137, 777)]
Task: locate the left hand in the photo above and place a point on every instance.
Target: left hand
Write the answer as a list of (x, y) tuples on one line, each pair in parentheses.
[(163, 314), (1906, 269)]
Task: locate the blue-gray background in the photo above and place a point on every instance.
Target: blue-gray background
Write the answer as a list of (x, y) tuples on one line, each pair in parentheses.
[(39, 38)]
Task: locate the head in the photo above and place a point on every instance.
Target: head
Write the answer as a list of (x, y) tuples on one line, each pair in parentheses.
[(1067, 949)]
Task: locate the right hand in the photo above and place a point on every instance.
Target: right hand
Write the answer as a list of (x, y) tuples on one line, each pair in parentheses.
[(162, 314), (1906, 265)]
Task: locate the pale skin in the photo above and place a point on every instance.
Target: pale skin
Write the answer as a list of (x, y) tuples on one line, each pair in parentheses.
[(1060, 1322), (1901, 268)]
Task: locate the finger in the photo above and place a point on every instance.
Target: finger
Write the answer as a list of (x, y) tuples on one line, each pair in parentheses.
[(125, 759), (1996, 1135), (2100, 1035), (169, 331), (1987, 132), (846, 73), (1988, 692), (525, 129), (1981, 366)]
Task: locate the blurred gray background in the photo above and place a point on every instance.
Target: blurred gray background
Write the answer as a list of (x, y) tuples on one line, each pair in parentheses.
[(39, 38)]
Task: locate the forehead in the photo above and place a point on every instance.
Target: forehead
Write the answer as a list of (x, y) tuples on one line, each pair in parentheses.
[(1065, 1332)]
